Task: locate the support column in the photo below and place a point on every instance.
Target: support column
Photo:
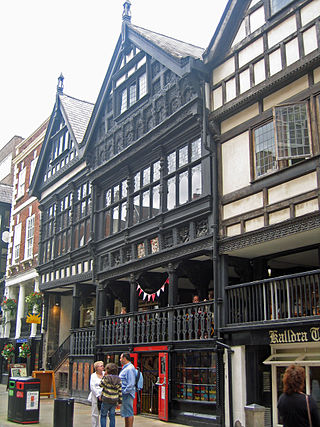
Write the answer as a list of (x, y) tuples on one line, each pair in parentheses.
[(75, 316), (34, 325), (20, 310), (133, 304), (172, 298), (100, 308)]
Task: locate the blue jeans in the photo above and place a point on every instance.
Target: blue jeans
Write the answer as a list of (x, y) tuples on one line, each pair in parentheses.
[(105, 409)]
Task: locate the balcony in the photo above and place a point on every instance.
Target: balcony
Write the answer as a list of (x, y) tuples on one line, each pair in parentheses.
[(188, 322), (83, 342), (295, 296)]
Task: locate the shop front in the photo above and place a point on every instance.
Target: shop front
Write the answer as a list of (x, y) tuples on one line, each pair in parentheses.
[(301, 346)]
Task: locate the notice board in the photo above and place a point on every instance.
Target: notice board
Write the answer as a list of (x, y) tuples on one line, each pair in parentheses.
[(47, 382)]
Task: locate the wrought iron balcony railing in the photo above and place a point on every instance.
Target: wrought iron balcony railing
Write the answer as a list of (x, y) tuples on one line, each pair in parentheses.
[(280, 298)]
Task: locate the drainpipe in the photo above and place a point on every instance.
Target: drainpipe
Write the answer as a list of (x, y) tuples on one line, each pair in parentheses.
[(229, 352), (215, 214)]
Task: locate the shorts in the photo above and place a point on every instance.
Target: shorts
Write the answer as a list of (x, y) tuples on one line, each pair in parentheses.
[(126, 406)]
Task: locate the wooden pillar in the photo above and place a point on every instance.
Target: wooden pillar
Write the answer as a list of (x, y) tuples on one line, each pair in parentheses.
[(173, 285), (75, 316), (133, 294)]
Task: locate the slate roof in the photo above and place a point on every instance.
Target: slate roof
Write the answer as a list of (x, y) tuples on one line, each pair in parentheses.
[(6, 193), (78, 113), (175, 48)]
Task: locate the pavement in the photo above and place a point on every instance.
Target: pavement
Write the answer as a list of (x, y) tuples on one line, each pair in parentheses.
[(81, 417)]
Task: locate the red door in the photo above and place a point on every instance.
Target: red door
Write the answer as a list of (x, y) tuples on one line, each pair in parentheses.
[(162, 383), (134, 361)]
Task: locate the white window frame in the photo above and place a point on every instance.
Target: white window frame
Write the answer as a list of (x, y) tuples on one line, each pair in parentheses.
[(32, 168), (16, 244), (21, 182), (28, 248)]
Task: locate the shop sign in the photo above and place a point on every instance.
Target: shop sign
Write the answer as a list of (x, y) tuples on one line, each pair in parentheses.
[(288, 336)]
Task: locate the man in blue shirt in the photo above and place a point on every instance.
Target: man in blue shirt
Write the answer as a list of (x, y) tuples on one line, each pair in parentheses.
[(128, 384)]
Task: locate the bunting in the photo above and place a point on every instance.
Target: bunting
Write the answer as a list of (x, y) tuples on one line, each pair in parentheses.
[(149, 297)]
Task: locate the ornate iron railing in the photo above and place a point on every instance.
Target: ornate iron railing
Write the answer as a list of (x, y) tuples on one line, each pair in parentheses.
[(82, 342), (183, 322), (60, 354), (285, 297)]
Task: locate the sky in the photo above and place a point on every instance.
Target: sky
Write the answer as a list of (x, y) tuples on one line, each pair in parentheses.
[(42, 38)]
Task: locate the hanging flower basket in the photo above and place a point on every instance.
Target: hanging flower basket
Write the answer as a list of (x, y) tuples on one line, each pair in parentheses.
[(34, 302), (9, 304), (24, 350), (8, 352)]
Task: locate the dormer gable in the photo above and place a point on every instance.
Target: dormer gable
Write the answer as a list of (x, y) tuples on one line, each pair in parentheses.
[(61, 148)]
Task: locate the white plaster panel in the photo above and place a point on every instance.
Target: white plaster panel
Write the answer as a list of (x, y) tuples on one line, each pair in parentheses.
[(310, 12), (316, 75), (244, 79), (307, 207), (310, 42), (241, 34), (292, 188), (235, 163), (239, 118), (65, 317), (281, 31), (285, 93), (252, 51), (239, 383), (254, 224), (279, 216), (244, 205), (257, 19), (275, 64), (234, 230), (224, 70), (217, 98), (292, 51), (230, 89), (259, 72)]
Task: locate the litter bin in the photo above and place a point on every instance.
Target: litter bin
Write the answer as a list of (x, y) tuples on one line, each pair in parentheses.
[(24, 400), (63, 412)]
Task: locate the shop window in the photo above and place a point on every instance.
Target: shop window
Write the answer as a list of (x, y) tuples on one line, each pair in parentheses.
[(184, 175), (284, 141), (195, 376)]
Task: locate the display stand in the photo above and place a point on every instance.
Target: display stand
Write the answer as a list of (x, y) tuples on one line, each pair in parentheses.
[(47, 382)]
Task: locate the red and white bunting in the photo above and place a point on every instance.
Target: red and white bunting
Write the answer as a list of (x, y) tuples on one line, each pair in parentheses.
[(154, 294)]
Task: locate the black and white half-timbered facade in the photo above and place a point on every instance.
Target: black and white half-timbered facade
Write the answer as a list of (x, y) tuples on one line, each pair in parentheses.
[(150, 169), (264, 62), (62, 187)]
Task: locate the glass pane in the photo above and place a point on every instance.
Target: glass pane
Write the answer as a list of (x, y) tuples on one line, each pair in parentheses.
[(196, 150), (171, 193), (265, 150), (81, 235), (124, 190), (156, 171), (116, 193), (183, 156), (133, 94), (123, 221), (123, 101), (115, 219), (137, 181), (145, 204), (108, 197), (183, 187), (142, 85), (155, 200), (136, 210), (196, 189), (171, 162), (146, 176), (278, 4), (315, 383)]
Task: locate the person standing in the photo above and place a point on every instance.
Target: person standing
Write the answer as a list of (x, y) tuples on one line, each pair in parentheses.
[(128, 383), (95, 391), (296, 408), (111, 395)]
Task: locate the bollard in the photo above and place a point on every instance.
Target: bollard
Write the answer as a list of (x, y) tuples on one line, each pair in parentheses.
[(63, 412), (254, 415)]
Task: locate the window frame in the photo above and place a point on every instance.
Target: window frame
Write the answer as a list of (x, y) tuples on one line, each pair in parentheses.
[(16, 244), (21, 183), (29, 237)]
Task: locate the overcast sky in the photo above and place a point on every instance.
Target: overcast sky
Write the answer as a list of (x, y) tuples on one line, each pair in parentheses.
[(42, 38)]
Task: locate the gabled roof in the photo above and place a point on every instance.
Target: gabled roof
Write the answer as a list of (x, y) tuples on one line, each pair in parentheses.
[(176, 48), (78, 113), (178, 56), (226, 29)]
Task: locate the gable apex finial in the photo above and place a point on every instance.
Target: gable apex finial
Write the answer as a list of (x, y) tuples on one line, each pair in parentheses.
[(60, 84), (126, 14)]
